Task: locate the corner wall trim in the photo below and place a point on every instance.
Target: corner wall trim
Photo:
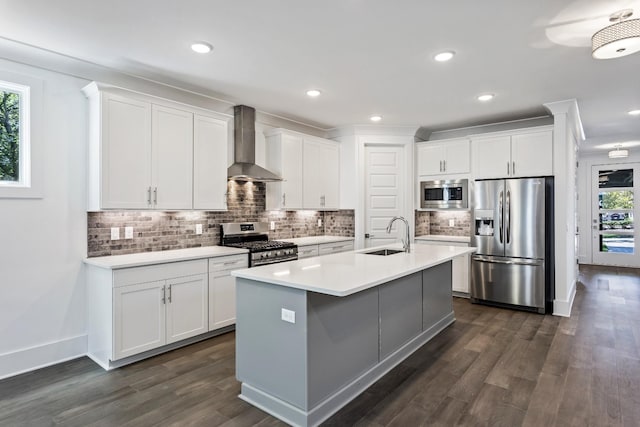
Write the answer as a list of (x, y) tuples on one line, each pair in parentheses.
[(563, 307), (30, 359)]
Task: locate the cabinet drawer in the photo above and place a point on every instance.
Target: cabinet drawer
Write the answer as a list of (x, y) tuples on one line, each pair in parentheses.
[(307, 251), (232, 262), (330, 248), (150, 273)]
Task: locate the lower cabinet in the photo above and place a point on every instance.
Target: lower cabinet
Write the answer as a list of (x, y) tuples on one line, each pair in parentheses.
[(222, 290), (460, 269), (308, 251)]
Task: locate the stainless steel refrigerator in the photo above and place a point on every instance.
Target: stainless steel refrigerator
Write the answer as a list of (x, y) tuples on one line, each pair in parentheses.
[(512, 229)]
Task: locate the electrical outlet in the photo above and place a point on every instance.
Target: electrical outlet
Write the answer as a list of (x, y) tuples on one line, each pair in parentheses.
[(288, 315), (128, 232), (452, 223), (272, 225), (198, 228), (319, 222), (115, 233)]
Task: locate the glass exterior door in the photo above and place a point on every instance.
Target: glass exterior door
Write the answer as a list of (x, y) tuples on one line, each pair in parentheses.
[(613, 225)]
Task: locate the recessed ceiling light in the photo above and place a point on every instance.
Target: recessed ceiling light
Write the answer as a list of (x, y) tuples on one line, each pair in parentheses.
[(486, 97), (313, 93), (634, 113), (444, 56), (375, 118), (201, 47)]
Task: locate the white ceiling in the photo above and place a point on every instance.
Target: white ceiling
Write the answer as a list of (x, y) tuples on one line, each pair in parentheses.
[(365, 56)]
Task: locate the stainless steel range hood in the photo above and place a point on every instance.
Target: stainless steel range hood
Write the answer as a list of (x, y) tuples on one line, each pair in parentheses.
[(244, 167)]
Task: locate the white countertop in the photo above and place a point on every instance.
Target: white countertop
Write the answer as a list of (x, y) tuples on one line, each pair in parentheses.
[(442, 238), (316, 240), (159, 257), (346, 273)]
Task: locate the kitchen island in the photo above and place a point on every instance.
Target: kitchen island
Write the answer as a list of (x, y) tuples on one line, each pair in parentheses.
[(313, 334)]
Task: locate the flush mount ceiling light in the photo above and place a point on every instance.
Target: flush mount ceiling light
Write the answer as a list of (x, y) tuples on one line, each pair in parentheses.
[(618, 153), (444, 56), (619, 39), (313, 93), (634, 113), (201, 47), (486, 97), (375, 118)]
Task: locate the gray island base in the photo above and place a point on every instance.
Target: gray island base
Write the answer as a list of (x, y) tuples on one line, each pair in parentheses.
[(304, 372)]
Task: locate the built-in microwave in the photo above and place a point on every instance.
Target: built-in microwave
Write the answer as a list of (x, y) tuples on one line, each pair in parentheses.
[(444, 194)]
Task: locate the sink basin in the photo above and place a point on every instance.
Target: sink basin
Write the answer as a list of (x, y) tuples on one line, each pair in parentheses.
[(385, 252)]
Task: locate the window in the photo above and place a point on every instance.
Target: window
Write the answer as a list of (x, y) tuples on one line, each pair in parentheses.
[(15, 159)]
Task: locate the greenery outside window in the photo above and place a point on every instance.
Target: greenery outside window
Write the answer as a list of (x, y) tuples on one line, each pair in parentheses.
[(14, 135)]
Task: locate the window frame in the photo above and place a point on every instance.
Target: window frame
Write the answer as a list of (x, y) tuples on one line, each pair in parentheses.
[(30, 181)]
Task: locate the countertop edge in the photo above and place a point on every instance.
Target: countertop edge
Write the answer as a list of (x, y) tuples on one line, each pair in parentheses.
[(160, 257)]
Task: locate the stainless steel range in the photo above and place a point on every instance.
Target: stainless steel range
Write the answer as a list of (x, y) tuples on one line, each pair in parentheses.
[(254, 236)]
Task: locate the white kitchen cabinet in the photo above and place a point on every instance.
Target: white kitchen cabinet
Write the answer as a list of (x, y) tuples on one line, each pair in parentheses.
[(150, 153), (334, 248), (210, 137), (459, 266), (284, 158), (513, 155), (307, 251), (448, 157), (172, 158), (310, 168), (222, 290), (187, 307), (138, 318)]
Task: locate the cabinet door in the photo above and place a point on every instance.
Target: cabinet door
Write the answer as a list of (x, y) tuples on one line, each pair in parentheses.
[(209, 163), (491, 157), (187, 311), (172, 167), (138, 318), (291, 157), (222, 300), (312, 172), (430, 158), (334, 248), (330, 181), (307, 251), (532, 154), (125, 153), (457, 158)]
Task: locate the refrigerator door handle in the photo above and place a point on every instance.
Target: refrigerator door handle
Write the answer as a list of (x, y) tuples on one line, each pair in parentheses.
[(500, 224), (532, 262), (508, 220)]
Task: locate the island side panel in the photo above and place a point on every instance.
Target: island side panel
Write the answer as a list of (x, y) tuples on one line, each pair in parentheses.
[(271, 354), (437, 294), (400, 312), (342, 340)]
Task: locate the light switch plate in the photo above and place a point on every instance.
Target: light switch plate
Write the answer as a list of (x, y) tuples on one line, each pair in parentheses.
[(115, 233), (288, 315), (319, 222), (128, 232), (272, 225), (452, 223), (198, 228)]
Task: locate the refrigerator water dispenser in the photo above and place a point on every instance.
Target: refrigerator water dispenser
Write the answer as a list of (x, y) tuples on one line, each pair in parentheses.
[(484, 223)]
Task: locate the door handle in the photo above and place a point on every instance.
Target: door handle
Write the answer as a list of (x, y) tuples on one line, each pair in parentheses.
[(513, 167), (534, 263), (369, 236), (149, 196), (440, 165), (507, 168), (164, 295), (169, 294), (500, 225), (155, 195), (444, 166), (508, 221), (284, 199)]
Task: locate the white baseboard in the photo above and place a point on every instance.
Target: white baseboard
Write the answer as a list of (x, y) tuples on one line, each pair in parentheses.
[(30, 359), (563, 307)]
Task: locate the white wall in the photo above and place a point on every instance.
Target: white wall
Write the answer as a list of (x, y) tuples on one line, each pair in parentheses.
[(43, 241)]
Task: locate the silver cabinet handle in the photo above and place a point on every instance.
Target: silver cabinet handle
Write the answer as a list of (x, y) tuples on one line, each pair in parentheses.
[(513, 168), (440, 165), (507, 168), (369, 236), (149, 196), (231, 262), (284, 199), (169, 293), (534, 262), (444, 166), (164, 295), (155, 195)]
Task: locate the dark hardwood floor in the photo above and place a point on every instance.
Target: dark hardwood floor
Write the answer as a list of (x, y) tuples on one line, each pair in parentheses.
[(491, 367)]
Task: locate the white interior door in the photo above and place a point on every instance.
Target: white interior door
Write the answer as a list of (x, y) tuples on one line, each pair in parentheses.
[(384, 193), (613, 210)]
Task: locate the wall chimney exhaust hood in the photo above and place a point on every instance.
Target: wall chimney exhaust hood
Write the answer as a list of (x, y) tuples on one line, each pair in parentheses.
[(244, 167)]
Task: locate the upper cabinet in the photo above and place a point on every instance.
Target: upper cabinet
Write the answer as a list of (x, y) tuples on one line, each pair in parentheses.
[(523, 153), (448, 157), (149, 153), (309, 167)]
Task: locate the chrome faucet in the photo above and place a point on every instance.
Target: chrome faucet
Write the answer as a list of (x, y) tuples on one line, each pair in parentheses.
[(406, 242)]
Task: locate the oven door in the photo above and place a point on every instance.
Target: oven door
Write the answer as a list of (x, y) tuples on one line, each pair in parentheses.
[(256, 259)]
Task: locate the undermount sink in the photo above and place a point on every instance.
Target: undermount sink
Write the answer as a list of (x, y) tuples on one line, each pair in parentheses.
[(385, 252)]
